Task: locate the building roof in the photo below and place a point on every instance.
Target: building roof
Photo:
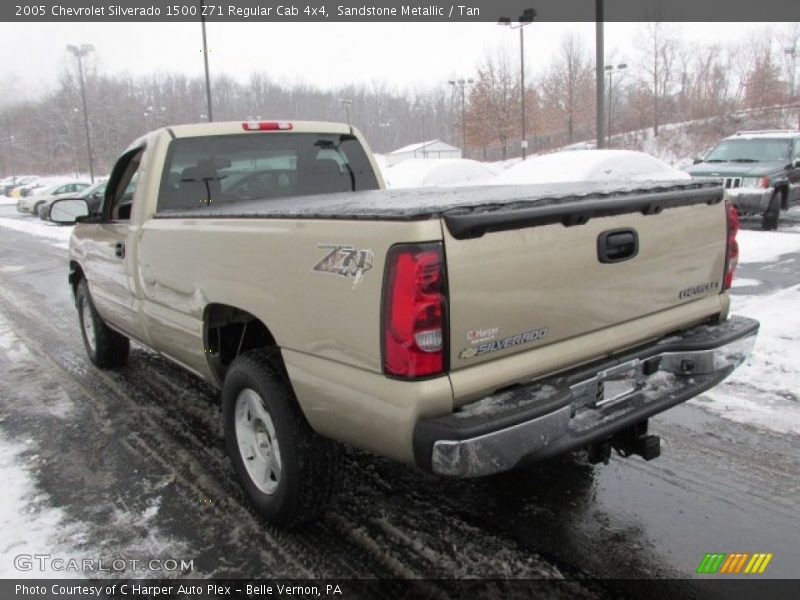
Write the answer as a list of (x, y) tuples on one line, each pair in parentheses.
[(422, 146)]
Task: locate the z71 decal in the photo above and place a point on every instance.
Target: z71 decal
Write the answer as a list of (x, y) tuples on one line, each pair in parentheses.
[(347, 261)]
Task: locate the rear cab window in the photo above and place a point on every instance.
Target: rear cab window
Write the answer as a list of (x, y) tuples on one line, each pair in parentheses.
[(225, 169)]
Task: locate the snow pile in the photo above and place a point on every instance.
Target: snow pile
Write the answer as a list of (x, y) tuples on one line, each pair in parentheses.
[(448, 172), (589, 165), (55, 234)]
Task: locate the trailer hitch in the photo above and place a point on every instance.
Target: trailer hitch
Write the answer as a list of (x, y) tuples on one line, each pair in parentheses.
[(629, 441)]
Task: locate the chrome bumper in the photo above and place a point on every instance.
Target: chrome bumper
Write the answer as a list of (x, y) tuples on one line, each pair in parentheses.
[(750, 200), (555, 416)]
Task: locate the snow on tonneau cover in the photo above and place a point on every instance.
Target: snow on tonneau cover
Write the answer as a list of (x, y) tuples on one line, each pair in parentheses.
[(529, 266)]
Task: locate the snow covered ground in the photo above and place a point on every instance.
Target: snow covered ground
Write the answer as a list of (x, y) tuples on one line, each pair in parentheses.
[(31, 522), (765, 391), (56, 235), (30, 526)]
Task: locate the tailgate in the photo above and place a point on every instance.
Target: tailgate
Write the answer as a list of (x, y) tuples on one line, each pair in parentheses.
[(527, 287)]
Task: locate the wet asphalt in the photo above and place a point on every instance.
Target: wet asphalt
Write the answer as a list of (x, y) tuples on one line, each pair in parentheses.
[(108, 446)]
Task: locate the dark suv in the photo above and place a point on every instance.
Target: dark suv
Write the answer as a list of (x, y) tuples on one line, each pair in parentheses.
[(760, 171)]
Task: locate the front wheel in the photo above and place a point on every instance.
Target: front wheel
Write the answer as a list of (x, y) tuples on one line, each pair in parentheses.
[(286, 469), (771, 217), (106, 348)]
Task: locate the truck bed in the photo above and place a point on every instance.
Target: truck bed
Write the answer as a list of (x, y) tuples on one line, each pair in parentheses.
[(471, 211)]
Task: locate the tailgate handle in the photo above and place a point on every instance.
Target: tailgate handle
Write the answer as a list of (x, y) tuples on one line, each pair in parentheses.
[(617, 245)]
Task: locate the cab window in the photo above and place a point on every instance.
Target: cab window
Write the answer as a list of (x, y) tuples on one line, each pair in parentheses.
[(214, 170)]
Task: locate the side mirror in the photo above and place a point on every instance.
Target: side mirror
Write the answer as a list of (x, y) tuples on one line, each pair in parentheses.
[(796, 163), (67, 211), (697, 160)]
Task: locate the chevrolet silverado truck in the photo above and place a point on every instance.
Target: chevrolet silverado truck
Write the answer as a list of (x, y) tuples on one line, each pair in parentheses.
[(760, 171), (466, 331)]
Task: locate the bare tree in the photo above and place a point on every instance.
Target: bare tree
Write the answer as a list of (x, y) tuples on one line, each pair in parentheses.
[(657, 48)]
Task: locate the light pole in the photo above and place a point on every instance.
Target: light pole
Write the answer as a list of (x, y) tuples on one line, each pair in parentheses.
[(346, 104), (79, 53), (463, 84), (610, 70), (526, 18), (599, 80), (205, 60)]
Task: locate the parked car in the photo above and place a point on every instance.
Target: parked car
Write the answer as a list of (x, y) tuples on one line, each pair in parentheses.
[(759, 169), (92, 194), (465, 331), (7, 184), (24, 186), (438, 172), (30, 204), (590, 165)]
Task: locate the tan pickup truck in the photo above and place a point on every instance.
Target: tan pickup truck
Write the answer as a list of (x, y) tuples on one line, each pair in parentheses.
[(466, 331)]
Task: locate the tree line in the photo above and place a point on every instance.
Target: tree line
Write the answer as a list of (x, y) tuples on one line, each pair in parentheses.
[(666, 80)]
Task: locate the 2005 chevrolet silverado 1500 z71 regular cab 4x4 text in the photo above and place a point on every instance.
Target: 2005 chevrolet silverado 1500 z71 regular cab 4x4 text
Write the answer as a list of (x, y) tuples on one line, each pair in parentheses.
[(465, 331)]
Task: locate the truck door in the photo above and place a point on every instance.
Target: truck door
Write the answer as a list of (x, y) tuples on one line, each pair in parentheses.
[(111, 262)]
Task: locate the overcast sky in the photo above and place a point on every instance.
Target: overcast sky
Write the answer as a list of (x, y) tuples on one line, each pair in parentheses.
[(404, 55)]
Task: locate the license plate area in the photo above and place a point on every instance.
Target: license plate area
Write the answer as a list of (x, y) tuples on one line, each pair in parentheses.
[(616, 387), (610, 385)]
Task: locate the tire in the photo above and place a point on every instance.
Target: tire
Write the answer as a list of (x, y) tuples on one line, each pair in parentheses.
[(43, 210), (106, 348), (35, 211), (286, 470), (771, 217)]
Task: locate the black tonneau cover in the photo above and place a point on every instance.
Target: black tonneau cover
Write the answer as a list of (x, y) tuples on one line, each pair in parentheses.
[(472, 211)]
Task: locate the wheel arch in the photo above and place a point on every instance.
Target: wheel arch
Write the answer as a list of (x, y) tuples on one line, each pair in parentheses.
[(229, 331)]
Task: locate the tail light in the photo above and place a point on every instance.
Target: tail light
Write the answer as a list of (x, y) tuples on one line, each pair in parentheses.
[(414, 311), (732, 246)]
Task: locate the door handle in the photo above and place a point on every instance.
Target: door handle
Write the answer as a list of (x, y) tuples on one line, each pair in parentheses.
[(617, 245), (119, 249)]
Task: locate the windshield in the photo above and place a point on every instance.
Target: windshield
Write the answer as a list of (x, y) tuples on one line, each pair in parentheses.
[(215, 170), (749, 150)]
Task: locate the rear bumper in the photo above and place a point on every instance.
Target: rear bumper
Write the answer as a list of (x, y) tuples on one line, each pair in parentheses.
[(569, 411)]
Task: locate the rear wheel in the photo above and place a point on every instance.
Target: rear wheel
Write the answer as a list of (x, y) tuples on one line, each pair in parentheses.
[(106, 348), (771, 217), (286, 469)]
